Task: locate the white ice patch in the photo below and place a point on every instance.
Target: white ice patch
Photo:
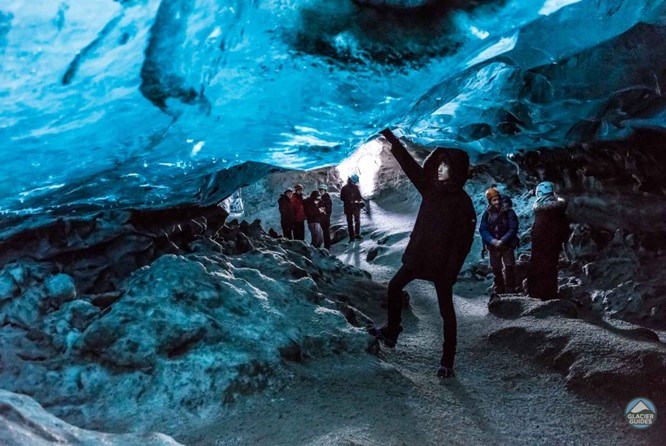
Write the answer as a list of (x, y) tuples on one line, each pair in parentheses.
[(447, 109), (550, 6), (481, 34), (504, 45), (197, 147)]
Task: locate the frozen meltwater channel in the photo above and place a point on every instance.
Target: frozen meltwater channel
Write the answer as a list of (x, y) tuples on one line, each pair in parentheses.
[(138, 103)]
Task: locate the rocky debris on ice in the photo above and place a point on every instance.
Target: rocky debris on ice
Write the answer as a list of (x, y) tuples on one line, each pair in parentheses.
[(24, 422), (183, 334), (615, 278), (599, 358)]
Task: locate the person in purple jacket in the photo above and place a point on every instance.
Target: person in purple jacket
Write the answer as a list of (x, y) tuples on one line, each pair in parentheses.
[(499, 232)]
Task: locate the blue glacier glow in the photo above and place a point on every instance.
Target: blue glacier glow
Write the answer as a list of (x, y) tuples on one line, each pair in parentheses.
[(138, 103)]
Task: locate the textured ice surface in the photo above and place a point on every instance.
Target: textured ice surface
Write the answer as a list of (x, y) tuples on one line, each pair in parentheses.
[(183, 334), (24, 422), (108, 103)]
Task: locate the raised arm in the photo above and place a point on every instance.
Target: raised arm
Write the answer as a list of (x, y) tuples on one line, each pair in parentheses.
[(411, 168)]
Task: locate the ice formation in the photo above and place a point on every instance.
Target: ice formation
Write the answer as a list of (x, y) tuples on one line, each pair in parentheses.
[(139, 103)]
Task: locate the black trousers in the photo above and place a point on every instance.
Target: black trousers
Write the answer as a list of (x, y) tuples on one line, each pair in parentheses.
[(287, 229), (446, 309), (326, 228), (504, 279), (354, 223), (299, 230)]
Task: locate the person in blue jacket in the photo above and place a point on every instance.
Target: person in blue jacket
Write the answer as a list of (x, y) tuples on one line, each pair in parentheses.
[(499, 232)]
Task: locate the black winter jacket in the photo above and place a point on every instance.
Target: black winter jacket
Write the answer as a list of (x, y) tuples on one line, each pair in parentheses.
[(549, 231), (350, 195), (286, 209), (312, 211), (326, 203), (444, 228)]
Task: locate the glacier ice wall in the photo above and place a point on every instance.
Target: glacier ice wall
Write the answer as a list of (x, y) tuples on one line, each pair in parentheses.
[(138, 103)]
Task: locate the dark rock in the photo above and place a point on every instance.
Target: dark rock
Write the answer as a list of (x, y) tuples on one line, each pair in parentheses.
[(243, 244), (292, 352), (507, 308), (374, 252), (339, 234)]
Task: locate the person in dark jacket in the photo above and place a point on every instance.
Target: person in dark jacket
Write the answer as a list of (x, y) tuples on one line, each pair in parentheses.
[(299, 213), (313, 212), (499, 233), (439, 243), (327, 205), (350, 195), (549, 232), (286, 214)]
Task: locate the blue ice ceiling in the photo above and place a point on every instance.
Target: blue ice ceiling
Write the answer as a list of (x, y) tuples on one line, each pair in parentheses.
[(138, 102)]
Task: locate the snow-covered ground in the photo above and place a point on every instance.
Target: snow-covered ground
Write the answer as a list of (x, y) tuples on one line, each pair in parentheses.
[(185, 335)]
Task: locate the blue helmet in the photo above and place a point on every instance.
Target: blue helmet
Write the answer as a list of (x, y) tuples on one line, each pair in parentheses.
[(354, 179), (544, 188)]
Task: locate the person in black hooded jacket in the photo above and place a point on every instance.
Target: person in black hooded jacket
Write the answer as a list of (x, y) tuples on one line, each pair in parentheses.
[(439, 243), (325, 221), (286, 214), (549, 231)]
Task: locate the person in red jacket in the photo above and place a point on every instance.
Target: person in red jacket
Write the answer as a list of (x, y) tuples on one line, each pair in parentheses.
[(299, 213)]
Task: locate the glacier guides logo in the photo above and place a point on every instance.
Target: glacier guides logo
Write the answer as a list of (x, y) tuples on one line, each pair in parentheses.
[(641, 413)]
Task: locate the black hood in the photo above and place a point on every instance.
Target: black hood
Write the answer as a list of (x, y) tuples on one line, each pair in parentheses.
[(456, 159)]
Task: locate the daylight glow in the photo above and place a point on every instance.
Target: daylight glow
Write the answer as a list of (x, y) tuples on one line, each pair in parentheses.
[(365, 162)]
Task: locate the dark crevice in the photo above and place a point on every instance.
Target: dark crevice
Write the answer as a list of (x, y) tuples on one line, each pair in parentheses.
[(81, 55)]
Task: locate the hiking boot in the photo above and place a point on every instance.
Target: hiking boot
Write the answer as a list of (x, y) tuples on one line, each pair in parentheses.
[(445, 372), (448, 355), (359, 237), (386, 335)]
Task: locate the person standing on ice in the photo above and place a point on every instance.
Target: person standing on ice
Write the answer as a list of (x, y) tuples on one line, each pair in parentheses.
[(286, 214), (549, 232), (350, 195), (327, 205), (299, 213), (439, 243), (499, 233), (313, 212)]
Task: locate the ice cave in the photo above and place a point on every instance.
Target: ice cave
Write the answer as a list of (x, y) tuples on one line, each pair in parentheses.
[(279, 222)]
